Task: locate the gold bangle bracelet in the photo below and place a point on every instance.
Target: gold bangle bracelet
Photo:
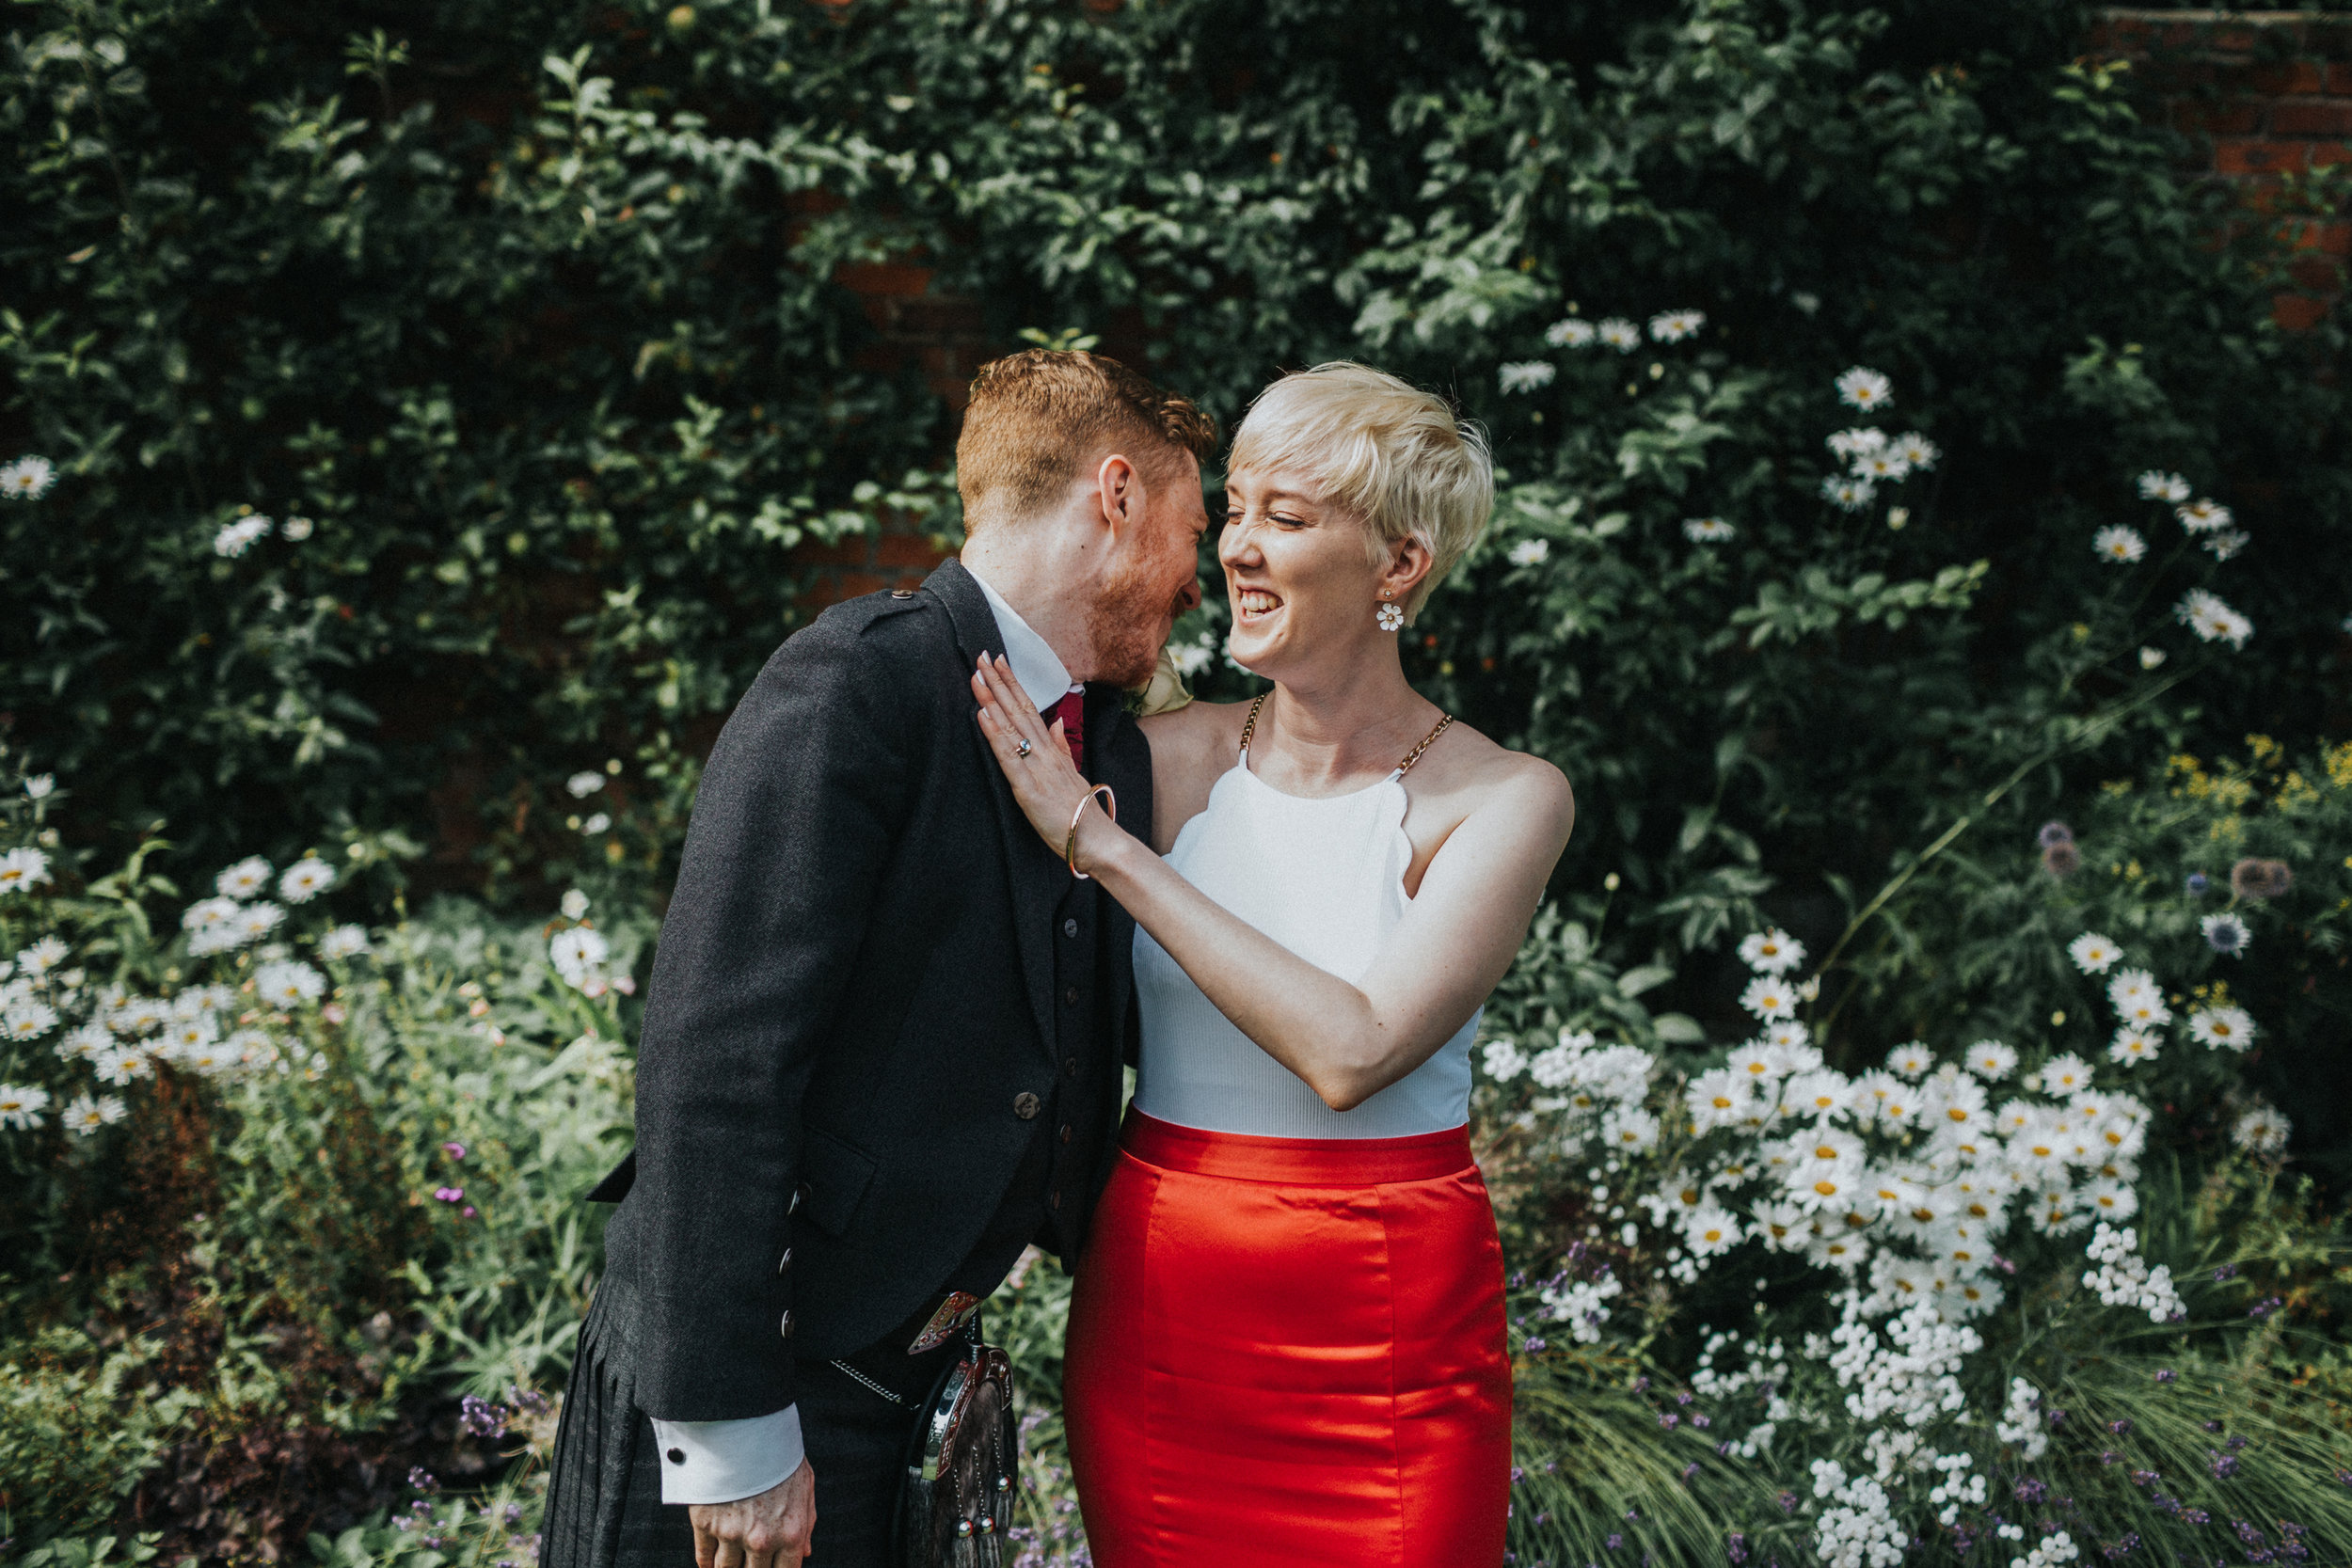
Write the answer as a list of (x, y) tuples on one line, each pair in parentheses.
[(1070, 845)]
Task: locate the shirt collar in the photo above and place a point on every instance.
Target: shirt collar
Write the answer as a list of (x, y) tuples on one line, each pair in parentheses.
[(1035, 665)]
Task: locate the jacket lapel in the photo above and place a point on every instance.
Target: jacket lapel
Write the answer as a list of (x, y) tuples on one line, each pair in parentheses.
[(1034, 872)]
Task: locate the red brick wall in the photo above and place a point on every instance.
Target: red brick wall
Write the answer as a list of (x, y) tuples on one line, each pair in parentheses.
[(2266, 99)]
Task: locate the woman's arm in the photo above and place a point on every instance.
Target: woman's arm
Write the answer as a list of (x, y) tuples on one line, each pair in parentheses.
[(1347, 1042)]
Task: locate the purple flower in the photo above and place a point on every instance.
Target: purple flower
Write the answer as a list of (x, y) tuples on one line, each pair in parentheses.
[(2122, 1548), (2029, 1491), (1537, 1344), (1517, 1475), (2056, 1418), (2264, 1308), (454, 1150), (2192, 1515), (1691, 1470), (2053, 834), (2227, 1271), (2212, 1426), (1702, 1421), (1613, 1542), (2166, 1374), (2146, 1477), (2062, 860), (2109, 1456), (1736, 1547), (480, 1417), (2224, 1466), (2120, 1429), (1669, 1420), (448, 1195), (2236, 1444), (2198, 884), (420, 1480), (1722, 1450)]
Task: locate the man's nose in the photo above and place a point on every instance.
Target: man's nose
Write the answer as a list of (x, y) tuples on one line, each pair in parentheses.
[(1190, 600)]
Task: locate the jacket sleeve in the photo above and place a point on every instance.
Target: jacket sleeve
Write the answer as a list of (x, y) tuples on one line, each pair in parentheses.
[(793, 825)]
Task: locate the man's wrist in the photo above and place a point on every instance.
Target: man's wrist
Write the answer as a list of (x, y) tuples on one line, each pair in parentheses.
[(724, 1462)]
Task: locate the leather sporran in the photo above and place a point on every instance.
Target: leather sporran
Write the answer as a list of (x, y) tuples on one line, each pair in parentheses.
[(955, 1502)]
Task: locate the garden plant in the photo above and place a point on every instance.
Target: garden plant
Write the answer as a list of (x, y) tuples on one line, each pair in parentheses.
[(1920, 1119)]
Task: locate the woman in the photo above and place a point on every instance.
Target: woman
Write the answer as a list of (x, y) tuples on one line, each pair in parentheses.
[(1286, 1345)]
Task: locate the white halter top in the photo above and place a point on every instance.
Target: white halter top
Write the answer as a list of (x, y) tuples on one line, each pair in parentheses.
[(1324, 877)]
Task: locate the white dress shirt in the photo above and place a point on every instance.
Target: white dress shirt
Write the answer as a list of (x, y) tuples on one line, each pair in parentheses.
[(721, 1462)]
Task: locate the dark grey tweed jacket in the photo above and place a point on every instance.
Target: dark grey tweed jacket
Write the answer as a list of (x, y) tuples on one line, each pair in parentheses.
[(853, 993)]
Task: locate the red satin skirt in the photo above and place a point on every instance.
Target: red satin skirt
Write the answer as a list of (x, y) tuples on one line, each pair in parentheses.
[(1287, 1351)]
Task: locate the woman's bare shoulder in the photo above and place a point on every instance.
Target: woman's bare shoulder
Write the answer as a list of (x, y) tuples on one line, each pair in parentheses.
[(1489, 773)]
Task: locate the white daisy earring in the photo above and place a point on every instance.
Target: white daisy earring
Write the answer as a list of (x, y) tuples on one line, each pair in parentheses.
[(1389, 617)]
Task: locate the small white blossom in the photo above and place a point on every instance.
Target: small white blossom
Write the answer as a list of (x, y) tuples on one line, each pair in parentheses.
[(597, 824), (343, 941), (1858, 442), (22, 870), (2204, 516), (1882, 467), (1910, 1061), (2138, 999), (256, 920), (2135, 1045), (27, 1021), (27, 479), (289, 983), (1620, 334), (2227, 934), (42, 957), (245, 878), (2149, 657), (2094, 954), (2261, 1131), (238, 537), (1530, 552), (1865, 389), (41, 786), (1526, 376), (1768, 997), (83, 1044), (577, 954), (306, 880), (574, 905), (1672, 326), (1707, 531), (2118, 543), (2221, 1028), (1569, 332), (85, 1113), (584, 783), (1848, 494), (121, 1065), (297, 529), (1504, 1060), (1916, 450), (1628, 1130), (2224, 546), (1992, 1060), (2157, 486), (20, 1107), (1772, 951), (1191, 658)]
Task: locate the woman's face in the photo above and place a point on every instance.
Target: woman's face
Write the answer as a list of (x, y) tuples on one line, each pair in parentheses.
[(1300, 578)]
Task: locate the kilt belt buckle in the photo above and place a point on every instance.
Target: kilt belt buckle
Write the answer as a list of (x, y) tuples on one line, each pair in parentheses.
[(952, 1315)]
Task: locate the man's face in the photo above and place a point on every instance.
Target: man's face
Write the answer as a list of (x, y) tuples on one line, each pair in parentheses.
[(1152, 577)]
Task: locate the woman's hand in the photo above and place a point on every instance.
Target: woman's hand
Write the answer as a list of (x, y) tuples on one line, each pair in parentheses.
[(1035, 756)]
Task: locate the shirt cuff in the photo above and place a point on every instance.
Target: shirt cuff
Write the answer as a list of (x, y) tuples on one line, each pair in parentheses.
[(721, 1462)]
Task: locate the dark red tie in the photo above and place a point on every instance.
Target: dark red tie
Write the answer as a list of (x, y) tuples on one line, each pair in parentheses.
[(1071, 711)]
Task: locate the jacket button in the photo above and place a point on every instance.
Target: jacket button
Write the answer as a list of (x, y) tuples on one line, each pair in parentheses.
[(1026, 1105), (1069, 996), (784, 1262), (1070, 927), (1065, 1132), (677, 1456), (1070, 1066), (785, 1328), (902, 593), (1053, 1202)]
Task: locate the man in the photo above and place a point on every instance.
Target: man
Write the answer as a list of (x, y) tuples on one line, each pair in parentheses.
[(882, 1044)]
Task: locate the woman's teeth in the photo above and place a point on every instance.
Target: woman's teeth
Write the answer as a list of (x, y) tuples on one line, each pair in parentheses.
[(1257, 601)]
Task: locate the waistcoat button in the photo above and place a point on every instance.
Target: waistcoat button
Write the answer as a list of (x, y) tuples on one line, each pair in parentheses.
[(786, 1328), (1070, 1066), (784, 1262), (1069, 996), (1070, 927), (1026, 1105)]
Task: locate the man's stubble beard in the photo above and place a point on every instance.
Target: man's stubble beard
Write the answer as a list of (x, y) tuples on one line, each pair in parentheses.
[(1124, 625)]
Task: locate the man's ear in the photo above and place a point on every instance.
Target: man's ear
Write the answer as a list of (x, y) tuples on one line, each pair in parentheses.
[(1119, 489)]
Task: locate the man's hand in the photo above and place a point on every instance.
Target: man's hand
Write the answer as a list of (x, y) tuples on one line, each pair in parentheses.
[(769, 1531)]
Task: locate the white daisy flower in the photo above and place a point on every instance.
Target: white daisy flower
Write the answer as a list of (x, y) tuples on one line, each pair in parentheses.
[(194, 1034), (1569, 332), (1672, 326), (2205, 613), (1620, 334), (245, 878), (1768, 997), (1865, 389), (288, 983), (2064, 1076), (1529, 553), (238, 537), (2149, 657), (1628, 1130), (1838, 1250), (27, 1021), (121, 1065), (576, 954), (256, 920), (2226, 933), (1772, 951), (2204, 516), (40, 786), (1823, 1094), (1858, 442), (1910, 1060), (1711, 1231), (22, 870), (2094, 954), (584, 783), (137, 1015), (2221, 1028), (1526, 376), (2261, 1131), (2135, 1045), (1756, 1063), (210, 915), (208, 1060), (27, 479), (250, 1049), (2120, 544), (306, 880), (2157, 486), (1718, 1098), (1848, 494), (83, 1044), (2225, 545), (1991, 1060), (85, 1114), (42, 957), (1881, 467), (1794, 1040), (1916, 450), (343, 941), (1971, 1297), (2137, 999), (1707, 531), (21, 1105)]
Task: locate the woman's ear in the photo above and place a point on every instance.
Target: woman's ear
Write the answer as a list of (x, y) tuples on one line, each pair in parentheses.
[(1409, 559)]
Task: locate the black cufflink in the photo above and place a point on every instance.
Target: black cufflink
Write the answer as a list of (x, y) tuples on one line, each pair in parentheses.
[(677, 1456)]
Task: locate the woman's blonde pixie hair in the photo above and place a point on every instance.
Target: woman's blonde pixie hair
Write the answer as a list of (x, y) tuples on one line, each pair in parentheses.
[(1388, 451)]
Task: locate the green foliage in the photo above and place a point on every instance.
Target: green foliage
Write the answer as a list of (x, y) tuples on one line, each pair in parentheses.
[(72, 1442)]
